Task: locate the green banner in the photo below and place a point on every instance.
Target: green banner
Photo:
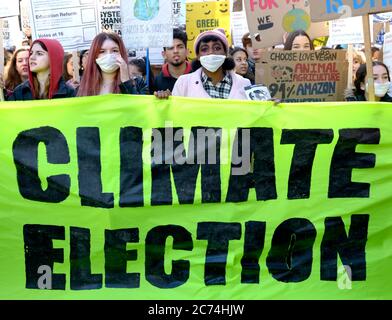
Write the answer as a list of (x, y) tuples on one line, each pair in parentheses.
[(131, 197)]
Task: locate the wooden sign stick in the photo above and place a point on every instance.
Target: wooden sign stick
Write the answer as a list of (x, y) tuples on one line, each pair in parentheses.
[(368, 54), (350, 55)]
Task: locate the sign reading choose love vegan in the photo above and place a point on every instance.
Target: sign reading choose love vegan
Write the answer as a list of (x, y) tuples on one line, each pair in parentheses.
[(334, 9), (304, 76), (139, 198)]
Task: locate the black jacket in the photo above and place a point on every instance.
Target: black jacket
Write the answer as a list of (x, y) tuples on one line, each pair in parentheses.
[(23, 92), (140, 87), (361, 97), (164, 79)]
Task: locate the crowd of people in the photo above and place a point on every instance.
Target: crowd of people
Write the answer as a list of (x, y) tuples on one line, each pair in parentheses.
[(44, 71)]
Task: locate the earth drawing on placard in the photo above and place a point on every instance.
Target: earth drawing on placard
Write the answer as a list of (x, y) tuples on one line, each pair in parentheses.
[(146, 9), (296, 19)]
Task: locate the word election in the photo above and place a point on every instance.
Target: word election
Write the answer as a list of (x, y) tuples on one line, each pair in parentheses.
[(169, 164), (289, 259)]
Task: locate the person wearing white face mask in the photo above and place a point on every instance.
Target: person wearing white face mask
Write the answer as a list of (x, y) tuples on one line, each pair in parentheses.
[(107, 69), (382, 83), (214, 77)]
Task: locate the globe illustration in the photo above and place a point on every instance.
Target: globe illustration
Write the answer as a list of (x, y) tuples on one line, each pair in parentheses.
[(146, 9), (296, 19)]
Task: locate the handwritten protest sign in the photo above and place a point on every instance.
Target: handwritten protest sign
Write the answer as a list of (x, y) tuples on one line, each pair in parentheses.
[(334, 9), (146, 23), (272, 19), (74, 23), (300, 76), (9, 8), (203, 16)]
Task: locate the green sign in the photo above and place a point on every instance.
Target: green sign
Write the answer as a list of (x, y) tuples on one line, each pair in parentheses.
[(131, 197)]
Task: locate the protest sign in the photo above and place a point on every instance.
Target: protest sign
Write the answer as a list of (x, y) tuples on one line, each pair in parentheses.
[(272, 19), (239, 27), (299, 76), (346, 31), (90, 211), (110, 15), (146, 23), (257, 92), (387, 50), (9, 8), (12, 35), (203, 16), (25, 17), (330, 10), (179, 14), (74, 23)]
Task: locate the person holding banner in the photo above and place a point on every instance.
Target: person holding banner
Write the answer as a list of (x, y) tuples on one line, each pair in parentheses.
[(298, 40), (213, 77), (107, 69), (382, 83), (45, 73), (176, 63), (18, 70)]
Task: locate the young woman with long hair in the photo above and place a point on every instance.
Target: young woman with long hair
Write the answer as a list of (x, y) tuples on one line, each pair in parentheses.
[(107, 69), (18, 70), (45, 73)]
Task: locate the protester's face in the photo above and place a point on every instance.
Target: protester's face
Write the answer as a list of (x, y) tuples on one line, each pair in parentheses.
[(22, 63), (301, 43), (39, 59), (376, 56), (211, 47), (241, 62), (356, 65), (177, 54), (380, 74), (70, 66), (134, 71), (108, 46), (84, 59), (257, 53)]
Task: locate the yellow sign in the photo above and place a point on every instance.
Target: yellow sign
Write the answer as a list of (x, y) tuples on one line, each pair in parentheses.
[(204, 16)]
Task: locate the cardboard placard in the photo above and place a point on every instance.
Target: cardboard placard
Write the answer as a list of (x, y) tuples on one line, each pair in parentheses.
[(272, 19), (302, 76), (204, 16), (325, 10)]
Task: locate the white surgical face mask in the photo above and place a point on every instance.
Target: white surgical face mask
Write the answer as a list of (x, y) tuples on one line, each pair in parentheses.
[(107, 63), (212, 62), (380, 89)]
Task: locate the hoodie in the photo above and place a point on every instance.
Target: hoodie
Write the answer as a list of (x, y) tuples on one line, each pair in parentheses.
[(56, 56), (57, 86)]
